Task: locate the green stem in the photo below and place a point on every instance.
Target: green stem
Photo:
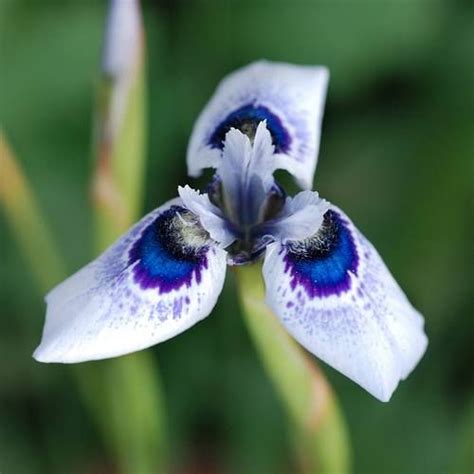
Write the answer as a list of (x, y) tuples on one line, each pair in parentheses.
[(117, 186), (322, 439), (125, 397)]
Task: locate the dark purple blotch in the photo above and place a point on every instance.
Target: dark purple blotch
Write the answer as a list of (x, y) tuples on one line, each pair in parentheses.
[(161, 260), (323, 266), (246, 119)]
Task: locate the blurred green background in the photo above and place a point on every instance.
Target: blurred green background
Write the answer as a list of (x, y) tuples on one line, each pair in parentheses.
[(396, 155)]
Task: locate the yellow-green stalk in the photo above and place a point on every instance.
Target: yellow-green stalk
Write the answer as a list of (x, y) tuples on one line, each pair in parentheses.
[(321, 435)]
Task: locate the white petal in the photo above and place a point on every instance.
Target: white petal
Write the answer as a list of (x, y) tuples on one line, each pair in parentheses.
[(289, 97), (301, 217), (144, 289), (246, 173), (335, 295), (210, 216), (262, 161)]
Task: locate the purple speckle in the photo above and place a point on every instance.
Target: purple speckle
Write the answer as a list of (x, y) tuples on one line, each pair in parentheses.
[(177, 308)]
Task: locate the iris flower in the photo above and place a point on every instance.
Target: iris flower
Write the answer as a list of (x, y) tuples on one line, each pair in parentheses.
[(324, 280)]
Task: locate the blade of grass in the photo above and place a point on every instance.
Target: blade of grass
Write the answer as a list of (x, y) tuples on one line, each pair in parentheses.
[(322, 440), (24, 217)]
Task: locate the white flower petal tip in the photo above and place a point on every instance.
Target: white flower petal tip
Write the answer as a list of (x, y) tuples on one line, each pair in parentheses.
[(289, 97), (301, 217), (156, 281), (335, 295)]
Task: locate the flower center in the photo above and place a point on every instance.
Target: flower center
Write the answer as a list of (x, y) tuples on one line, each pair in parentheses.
[(245, 208), (251, 240)]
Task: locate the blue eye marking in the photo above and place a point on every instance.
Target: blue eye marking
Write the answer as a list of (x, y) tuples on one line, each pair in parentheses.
[(246, 119), (163, 261), (322, 265)]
